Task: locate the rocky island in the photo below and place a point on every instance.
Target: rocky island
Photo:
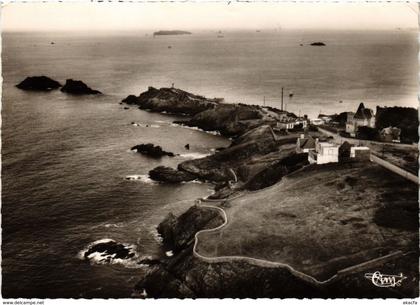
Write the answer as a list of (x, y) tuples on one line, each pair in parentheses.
[(38, 83), (174, 32), (151, 150), (77, 87), (271, 210), (318, 44)]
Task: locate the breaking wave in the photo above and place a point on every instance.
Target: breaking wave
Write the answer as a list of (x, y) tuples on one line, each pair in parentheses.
[(194, 155), (215, 132), (141, 178)]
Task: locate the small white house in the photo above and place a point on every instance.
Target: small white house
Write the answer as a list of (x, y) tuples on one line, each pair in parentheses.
[(302, 121), (317, 122), (324, 152), (285, 125)]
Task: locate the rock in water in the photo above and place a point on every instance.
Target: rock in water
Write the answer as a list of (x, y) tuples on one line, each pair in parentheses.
[(108, 251), (170, 175), (151, 150), (78, 87), (318, 44), (187, 146), (38, 83)]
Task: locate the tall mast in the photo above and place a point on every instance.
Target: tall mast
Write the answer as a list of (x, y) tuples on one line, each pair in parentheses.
[(282, 98)]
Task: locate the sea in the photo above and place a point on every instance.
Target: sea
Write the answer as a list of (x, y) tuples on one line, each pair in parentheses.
[(69, 178)]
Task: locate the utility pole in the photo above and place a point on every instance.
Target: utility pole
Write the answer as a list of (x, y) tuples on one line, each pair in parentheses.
[(282, 98)]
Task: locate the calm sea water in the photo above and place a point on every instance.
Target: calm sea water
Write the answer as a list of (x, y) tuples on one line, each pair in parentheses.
[(65, 158)]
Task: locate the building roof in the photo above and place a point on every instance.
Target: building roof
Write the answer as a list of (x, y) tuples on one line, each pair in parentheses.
[(363, 113), (307, 143), (345, 145)]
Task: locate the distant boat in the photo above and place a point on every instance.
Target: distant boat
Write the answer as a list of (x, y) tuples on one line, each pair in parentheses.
[(257, 31), (220, 36), (52, 42), (169, 47)]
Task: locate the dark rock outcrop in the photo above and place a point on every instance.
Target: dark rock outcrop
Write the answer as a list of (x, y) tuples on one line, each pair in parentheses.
[(130, 100), (272, 174), (229, 119), (318, 44), (178, 232), (78, 87), (151, 150), (170, 175), (38, 83), (254, 152)]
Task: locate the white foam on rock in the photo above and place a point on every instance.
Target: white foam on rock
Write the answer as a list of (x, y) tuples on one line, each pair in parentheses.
[(214, 132), (142, 178), (101, 258), (169, 253), (145, 125), (194, 155)]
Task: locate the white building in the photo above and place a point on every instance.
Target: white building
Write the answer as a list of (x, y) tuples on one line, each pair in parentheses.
[(317, 122), (324, 152)]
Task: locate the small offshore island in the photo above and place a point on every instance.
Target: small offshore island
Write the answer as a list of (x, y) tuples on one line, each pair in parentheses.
[(278, 226), (174, 32)]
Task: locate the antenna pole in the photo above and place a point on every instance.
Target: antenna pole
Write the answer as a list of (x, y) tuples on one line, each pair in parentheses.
[(282, 98)]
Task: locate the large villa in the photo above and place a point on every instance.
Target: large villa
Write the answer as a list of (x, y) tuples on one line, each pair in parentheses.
[(362, 117)]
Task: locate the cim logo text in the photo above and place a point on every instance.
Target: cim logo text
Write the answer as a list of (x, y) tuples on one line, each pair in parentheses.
[(385, 280)]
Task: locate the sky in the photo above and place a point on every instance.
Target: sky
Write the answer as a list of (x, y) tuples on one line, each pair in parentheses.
[(89, 16)]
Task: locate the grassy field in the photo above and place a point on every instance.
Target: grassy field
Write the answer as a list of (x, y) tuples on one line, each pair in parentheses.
[(321, 219)]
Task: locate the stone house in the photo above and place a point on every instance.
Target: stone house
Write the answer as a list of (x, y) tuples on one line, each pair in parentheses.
[(362, 117)]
